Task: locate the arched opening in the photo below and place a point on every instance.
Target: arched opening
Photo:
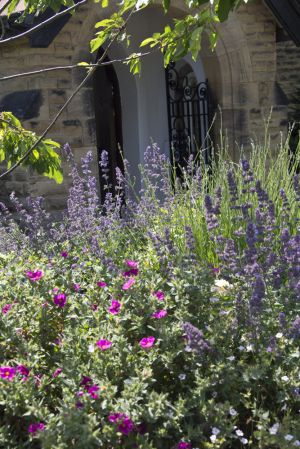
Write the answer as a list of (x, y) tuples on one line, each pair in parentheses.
[(108, 117)]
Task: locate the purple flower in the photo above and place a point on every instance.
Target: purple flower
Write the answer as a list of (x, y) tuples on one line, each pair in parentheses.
[(115, 417), (60, 299), (85, 381), (295, 328), (92, 391), (159, 295), (125, 426), (184, 445), (132, 263), (101, 284), (57, 372), (104, 344), (35, 427), (7, 372), (147, 342), (23, 370), (6, 308), (64, 254), (132, 272), (114, 309), (128, 284), (34, 275), (76, 287), (159, 314), (196, 341)]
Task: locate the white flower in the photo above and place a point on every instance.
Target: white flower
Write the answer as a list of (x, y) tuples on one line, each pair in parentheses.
[(241, 348), (231, 358), (244, 440), (279, 335), (182, 376), (221, 286), (239, 433), (91, 348), (232, 411), (285, 378), (274, 429), (214, 299), (296, 443), (288, 437), (215, 431), (213, 438)]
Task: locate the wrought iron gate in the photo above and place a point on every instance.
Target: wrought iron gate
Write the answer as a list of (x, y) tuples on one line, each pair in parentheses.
[(188, 117)]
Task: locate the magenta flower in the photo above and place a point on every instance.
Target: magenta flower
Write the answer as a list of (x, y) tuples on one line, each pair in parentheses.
[(64, 254), (60, 299), (104, 344), (128, 284), (147, 342), (132, 263), (23, 370), (92, 391), (159, 314), (36, 427), (125, 426), (101, 284), (115, 417), (7, 372), (34, 275), (159, 295), (184, 445), (6, 308), (76, 287), (115, 307), (86, 380), (57, 372)]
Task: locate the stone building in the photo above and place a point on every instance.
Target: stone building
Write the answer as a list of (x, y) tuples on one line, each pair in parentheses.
[(255, 66)]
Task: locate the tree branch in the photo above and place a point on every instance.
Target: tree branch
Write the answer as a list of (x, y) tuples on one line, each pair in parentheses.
[(44, 23), (3, 8), (78, 88), (75, 66)]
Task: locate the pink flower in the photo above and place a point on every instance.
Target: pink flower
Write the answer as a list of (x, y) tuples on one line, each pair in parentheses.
[(35, 427), (60, 299), (34, 275), (132, 272), (104, 344), (184, 445), (114, 309), (125, 426), (101, 284), (159, 314), (64, 254), (115, 417), (7, 372), (92, 391), (6, 308), (147, 342), (159, 295), (23, 370), (57, 372), (128, 284), (132, 263)]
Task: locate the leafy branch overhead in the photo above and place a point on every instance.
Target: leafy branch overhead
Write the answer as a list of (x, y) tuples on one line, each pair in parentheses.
[(15, 142)]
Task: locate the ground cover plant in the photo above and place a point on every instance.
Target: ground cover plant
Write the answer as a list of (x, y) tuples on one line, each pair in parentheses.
[(160, 320)]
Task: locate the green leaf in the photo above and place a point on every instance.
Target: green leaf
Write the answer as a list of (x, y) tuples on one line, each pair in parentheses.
[(166, 5), (97, 42), (104, 3), (224, 8)]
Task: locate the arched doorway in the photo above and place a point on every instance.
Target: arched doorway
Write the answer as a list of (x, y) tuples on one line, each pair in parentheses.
[(108, 117)]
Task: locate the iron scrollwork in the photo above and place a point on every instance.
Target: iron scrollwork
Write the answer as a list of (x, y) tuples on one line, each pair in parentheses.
[(188, 116)]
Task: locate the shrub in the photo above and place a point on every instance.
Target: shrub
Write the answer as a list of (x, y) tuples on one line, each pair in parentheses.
[(166, 321)]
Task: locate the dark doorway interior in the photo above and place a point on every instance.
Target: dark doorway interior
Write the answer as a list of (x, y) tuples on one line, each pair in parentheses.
[(108, 116)]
